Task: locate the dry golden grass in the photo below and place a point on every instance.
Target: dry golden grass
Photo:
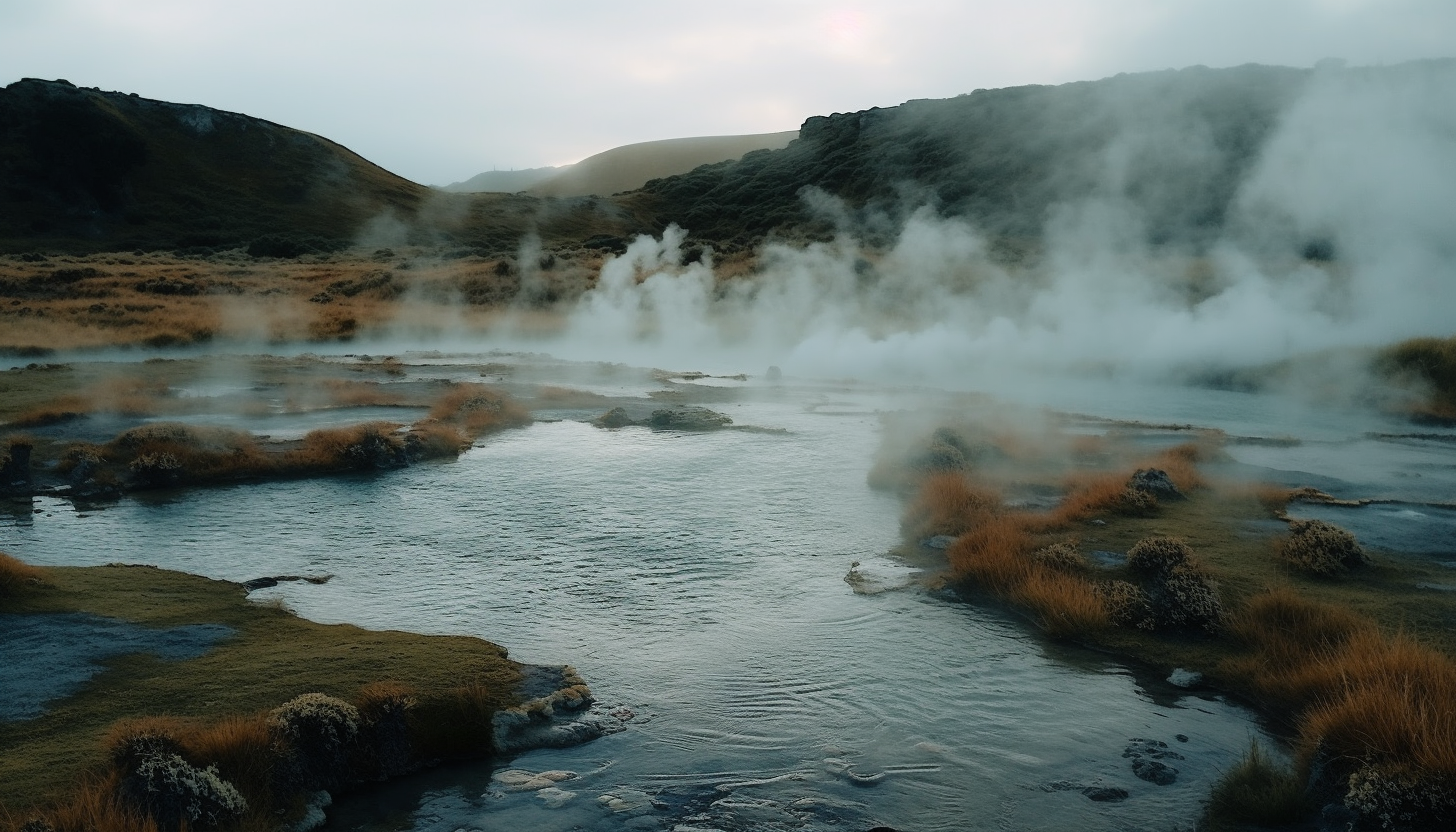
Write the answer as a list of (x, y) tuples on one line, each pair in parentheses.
[(947, 504), (996, 554), (1387, 700), (1065, 605), (478, 409), (16, 575), (92, 807)]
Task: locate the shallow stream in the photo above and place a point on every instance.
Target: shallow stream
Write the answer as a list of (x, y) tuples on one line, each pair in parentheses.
[(698, 581)]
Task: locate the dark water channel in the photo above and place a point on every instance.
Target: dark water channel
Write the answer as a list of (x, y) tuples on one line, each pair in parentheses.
[(698, 580)]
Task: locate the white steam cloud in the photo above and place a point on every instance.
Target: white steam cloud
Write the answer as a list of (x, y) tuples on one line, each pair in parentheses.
[(1363, 161)]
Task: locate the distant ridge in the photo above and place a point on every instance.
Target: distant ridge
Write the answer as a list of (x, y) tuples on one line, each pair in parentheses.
[(629, 167), (502, 181)]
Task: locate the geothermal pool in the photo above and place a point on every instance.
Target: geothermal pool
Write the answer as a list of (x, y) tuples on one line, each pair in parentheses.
[(697, 580)]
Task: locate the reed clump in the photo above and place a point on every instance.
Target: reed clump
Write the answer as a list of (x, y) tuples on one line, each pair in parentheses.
[(477, 409)]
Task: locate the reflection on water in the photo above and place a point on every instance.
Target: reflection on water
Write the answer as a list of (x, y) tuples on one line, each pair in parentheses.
[(697, 580)]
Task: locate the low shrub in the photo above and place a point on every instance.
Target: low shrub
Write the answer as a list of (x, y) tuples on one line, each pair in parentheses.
[(459, 724), (131, 741), (1185, 598), (1126, 604), (373, 445), (178, 795), (321, 731), (385, 709), (1401, 800), (1320, 548), (1137, 502), (1060, 557), (477, 409), (1157, 556)]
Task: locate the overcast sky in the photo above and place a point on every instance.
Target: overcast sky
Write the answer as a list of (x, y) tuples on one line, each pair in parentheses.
[(439, 90)]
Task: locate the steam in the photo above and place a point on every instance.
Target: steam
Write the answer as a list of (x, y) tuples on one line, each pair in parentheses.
[(1343, 235)]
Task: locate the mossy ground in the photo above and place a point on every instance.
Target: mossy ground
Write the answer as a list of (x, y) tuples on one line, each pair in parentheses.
[(273, 657)]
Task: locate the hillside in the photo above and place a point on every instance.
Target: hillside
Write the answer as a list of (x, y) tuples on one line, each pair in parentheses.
[(87, 170), (502, 181), (628, 167), (104, 167), (1176, 142)]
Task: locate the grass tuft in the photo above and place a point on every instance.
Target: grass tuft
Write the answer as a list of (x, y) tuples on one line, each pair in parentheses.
[(1255, 792), (17, 576)]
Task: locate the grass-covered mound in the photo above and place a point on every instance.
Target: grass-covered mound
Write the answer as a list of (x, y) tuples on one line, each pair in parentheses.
[(238, 735), (159, 454), (1348, 652), (1431, 364)]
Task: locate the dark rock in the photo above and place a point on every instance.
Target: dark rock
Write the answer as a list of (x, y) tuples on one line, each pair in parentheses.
[(774, 373), (688, 418), (1105, 794), (1155, 482), (615, 418), (259, 583), (15, 468), (1146, 755), (1154, 771), (1337, 817)]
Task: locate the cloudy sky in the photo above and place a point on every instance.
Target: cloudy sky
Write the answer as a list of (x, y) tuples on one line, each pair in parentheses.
[(439, 90)]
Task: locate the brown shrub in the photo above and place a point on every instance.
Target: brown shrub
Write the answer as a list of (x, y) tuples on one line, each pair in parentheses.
[(1320, 548), (94, 807), (458, 724), (243, 750), (1089, 495), (16, 575), (946, 503), (129, 741), (1126, 605)]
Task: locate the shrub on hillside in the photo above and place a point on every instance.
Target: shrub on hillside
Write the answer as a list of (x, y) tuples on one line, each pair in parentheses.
[(178, 795), (321, 731), (1320, 548), (1402, 801), (1061, 557), (1157, 556)]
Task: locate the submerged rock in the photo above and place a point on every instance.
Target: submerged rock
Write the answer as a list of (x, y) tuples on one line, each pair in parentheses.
[(688, 417), (615, 418), (1147, 760)]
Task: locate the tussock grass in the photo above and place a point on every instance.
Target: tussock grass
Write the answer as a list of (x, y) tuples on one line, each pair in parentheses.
[(17, 576), (1368, 701), (1065, 605), (947, 504), (477, 409), (1255, 792), (1430, 361)]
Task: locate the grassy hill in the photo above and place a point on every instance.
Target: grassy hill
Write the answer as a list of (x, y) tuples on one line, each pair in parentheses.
[(87, 170), (628, 167), (1177, 143)]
